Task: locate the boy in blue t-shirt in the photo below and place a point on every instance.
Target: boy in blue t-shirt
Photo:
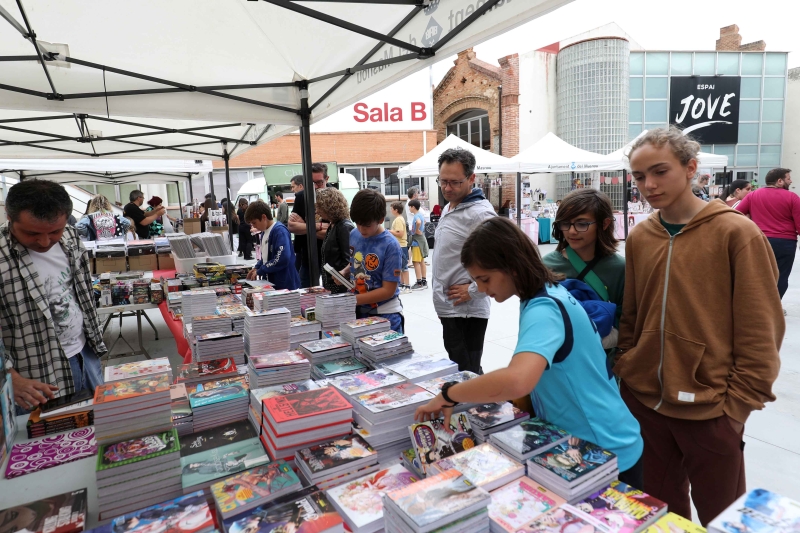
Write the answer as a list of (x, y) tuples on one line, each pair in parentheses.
[(376, 260)]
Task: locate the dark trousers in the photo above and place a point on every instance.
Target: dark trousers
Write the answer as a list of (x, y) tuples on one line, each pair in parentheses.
[(706, 454), (463, 340), (784, 250)]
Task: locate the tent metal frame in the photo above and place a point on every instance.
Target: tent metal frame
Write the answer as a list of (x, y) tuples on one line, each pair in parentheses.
[(43, 56)]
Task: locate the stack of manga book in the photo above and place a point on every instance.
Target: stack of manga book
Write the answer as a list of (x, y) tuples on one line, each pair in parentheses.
[(215, 437), (355, 384), (758, 510), (335, 309), (574, 469), (194, 373), (258, 395), (359, 501), (484, 465), (131, 408), (296, 421), (251, 488), (215, 403), (383, 346), (236, 312), (422, 367), (308, 297), (198, 302), (64, 513), (435, 440), (517, 504), (207, 466), (151, 367), (364, 327), (281, 299), (138, 472), (303, 330), (337, 368), (266, 331), (182, 418), (528, 438), (184, 514), (447, 500), (213, 323), (434, 386), (277, 368), (305, 511), (491, 418), (338, 461), (212, 346), (326, 350), (622, 508)]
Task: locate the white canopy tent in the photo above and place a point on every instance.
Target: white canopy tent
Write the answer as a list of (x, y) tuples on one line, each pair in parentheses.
[(486, 162), (704, 159), (254, 70), (552, 154)]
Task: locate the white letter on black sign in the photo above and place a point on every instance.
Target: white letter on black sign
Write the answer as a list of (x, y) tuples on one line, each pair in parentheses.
[(702, 105), (712, 107), (725, 104), (686, 101)]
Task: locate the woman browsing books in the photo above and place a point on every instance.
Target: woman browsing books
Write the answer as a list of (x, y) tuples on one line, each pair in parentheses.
[(559, 359)]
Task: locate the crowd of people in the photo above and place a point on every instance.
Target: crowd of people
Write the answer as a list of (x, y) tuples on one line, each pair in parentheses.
[(631, 353)]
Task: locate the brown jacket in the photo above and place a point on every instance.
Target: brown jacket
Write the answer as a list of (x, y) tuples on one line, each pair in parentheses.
[(702, 322)]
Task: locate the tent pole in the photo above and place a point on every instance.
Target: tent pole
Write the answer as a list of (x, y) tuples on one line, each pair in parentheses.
[(308, 185), (625, 203), (191, 190), (228, 189), (519, 199), (180, 202)]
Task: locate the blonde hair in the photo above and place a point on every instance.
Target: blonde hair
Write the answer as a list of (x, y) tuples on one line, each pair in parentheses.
[(683, 146), (98, 203), (333, 203)]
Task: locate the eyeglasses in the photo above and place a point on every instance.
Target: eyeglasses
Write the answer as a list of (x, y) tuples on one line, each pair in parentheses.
[(580, 226), (450, 183)]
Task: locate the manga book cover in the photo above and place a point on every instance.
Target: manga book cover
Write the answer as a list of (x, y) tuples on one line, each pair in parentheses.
[(482, 464), (137, 369), (309, 403), (65, 513), (417, 367), (360, 499), (530, 435), (282, 390), (358, 383), (573, 459), (434, 441), (365, 322), (563, 519), (759, 511), (212, 392), (672, 523), (336, 453), (490, 415), (138, 449), (384, 337), (349, 364), (520, 502), (324, 345), (210, 465), (198, 371), (308, 514), (435, 385), (253, 485), (436, 497), (277, 359), (393, 397), (48, 452), (187, 514), (622, 508), (216, 437), (130, 388)]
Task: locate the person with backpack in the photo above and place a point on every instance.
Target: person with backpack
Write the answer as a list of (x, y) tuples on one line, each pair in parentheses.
[(331, 205), (559, 359)]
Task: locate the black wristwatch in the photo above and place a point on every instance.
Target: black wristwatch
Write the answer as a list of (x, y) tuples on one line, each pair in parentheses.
[(446, 397)]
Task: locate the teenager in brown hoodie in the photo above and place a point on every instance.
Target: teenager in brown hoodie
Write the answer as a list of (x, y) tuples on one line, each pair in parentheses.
[(695, 359)]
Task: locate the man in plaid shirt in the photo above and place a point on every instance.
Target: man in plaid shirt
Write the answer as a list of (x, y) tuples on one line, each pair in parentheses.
[(49, 323)]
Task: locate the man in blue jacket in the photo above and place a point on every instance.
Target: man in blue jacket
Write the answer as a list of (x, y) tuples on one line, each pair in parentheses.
[(277, 257)]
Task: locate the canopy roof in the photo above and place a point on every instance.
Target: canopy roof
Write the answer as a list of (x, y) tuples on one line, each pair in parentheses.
[(253, 70), (112, 171), (552, 154), (704, 159), (486, 162)]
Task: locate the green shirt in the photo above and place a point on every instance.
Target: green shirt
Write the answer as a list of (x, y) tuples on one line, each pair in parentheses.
[(672, 229)]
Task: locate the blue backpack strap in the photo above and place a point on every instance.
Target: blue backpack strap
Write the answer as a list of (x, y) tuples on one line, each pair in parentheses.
[(569, 336)]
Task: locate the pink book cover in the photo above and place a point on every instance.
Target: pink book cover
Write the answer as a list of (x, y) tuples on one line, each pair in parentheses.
[(36, 455)]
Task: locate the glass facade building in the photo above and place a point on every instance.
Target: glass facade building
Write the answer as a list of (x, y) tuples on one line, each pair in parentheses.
[(761, 108)]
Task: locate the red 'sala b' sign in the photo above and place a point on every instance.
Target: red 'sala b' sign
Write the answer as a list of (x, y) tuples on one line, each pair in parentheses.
[(364, 113)]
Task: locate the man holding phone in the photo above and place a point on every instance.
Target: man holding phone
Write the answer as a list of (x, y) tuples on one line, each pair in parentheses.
[(51, 332)]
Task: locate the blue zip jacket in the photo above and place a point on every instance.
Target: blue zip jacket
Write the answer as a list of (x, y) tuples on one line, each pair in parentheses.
[(277, 261), (602, 313)]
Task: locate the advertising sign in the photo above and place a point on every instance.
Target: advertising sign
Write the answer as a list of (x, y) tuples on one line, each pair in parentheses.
[(707, 107)]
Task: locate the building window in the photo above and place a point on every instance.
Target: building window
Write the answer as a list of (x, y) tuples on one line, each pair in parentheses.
[(472, 126), (752, 64)]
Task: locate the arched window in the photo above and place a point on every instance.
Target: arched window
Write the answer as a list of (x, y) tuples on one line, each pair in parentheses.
[(473, 127)]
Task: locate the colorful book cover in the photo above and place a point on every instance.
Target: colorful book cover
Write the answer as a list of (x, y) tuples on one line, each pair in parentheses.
[(324, 345), (672, 523), (277, 359), (138, 369), (130, 388), (436, 497), (350, 364), (253, 485), (308, 514), (216, 437), (520, 502), (418, 367), (384, 337), (360, 499), (225, 461), (219, 368), (482, 464), (212, 392), (282, 390), (358, 383), (491, 415), (303, 404), (434, 441), (759, 511), (336, 453), (37, 455), (399, 395), (65, 513), (560, 520), (136, 450), (622, 508), (530, 435), (177, 393), (574, 459), (435, 385), (187, 514)]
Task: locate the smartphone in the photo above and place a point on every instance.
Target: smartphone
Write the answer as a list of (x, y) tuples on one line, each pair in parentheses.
[(64, 401)]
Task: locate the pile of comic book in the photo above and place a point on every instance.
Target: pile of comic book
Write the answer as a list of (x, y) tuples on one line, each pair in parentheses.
[(524, 440), (131, 408), (421, 367), (337, 368), (303, 330), (383, 346), (266, 331), (333, 463), (254, 487), (491, 418), (280, 299), (335, 309), (258, 395), (363, 327), (215, 403), (277, 368), (213, 346), (194, 373), (326, 350)]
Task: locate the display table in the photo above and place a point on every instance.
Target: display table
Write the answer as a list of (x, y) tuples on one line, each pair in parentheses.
[(130, 310), (531, 228), (51, 482), (176, 328), (545, 229), (620, 223)]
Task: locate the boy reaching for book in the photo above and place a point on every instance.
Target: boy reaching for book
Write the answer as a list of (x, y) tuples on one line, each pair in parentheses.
[(277, 257), (375, 260)]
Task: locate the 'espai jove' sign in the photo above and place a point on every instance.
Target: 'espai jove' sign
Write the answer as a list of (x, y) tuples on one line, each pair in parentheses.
[(707, 107)]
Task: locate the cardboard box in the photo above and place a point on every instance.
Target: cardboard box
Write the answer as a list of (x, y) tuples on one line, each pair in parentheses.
[(110, 264), (191, 225), (218, 229), (143, 262), (166, 262)]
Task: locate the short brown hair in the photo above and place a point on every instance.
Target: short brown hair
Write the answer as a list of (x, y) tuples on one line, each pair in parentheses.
[(256, 210), (596, 204), (414, 203), (368, 206), (775, 174), (498, 244), (333, 203), (398, 206), (683, 147)]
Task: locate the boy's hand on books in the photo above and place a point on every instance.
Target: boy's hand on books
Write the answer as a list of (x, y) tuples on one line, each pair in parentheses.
[(436, 408), (252, 274)]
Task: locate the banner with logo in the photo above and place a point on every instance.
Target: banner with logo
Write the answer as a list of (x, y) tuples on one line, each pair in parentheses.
[(706, 107)]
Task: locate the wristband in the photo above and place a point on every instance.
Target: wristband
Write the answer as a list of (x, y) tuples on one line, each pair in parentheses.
[(446, 397)]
